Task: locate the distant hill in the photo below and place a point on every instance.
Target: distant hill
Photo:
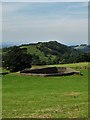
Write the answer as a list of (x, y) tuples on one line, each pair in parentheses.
[(51, 52), (83, 48)]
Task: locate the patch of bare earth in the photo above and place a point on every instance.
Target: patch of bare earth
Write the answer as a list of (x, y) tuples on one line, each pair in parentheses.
[(46, 113), (72, 93)]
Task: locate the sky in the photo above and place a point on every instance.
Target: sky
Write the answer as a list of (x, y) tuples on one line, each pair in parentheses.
[(32, 22)]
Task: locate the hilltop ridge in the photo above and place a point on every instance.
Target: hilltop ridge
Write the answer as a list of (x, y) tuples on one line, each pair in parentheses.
[(53, 52)]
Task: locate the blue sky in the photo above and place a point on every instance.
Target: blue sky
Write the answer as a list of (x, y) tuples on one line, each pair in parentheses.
[(29, 22)]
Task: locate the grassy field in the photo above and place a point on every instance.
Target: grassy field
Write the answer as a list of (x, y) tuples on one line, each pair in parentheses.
[(75, 65), (46, 97)]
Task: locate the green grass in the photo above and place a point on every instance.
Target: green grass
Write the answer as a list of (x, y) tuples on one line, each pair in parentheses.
[(3, 70), (45, 97), (80, 64), (74, 65), (33, 50)]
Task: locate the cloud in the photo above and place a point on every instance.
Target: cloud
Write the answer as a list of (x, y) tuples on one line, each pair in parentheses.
[(44, 9), (31, 31), (0, 22), (45, 0), (33, 22)]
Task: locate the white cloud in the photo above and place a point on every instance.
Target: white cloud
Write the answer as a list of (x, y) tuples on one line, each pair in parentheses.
[(28, 28), (10, 7), (65, 30), (0, 22), (45, 0)]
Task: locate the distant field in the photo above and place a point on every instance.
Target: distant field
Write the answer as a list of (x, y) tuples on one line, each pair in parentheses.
[(81, 64), (74, 64), (46, 97)]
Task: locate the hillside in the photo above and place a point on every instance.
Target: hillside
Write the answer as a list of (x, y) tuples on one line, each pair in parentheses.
[(83, 48), (47, 51), (51, 52)]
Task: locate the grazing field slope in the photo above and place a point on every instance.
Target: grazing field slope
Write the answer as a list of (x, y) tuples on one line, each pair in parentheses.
[(32, 49), (45, 97)]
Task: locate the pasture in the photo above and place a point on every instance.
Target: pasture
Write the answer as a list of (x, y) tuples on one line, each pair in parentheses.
[(45, 97)]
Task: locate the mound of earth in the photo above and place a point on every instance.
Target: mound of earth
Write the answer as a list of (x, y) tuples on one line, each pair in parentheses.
[(50, 71)]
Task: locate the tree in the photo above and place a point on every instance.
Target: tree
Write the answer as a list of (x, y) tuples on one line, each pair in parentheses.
[(16, 59), (36, 60)]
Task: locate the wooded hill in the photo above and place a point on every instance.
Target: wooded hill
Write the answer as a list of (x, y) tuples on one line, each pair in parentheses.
[(52, 53), (83, 48)]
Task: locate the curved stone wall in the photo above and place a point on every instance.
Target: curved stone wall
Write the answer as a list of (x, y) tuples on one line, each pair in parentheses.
[(50, 71)]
